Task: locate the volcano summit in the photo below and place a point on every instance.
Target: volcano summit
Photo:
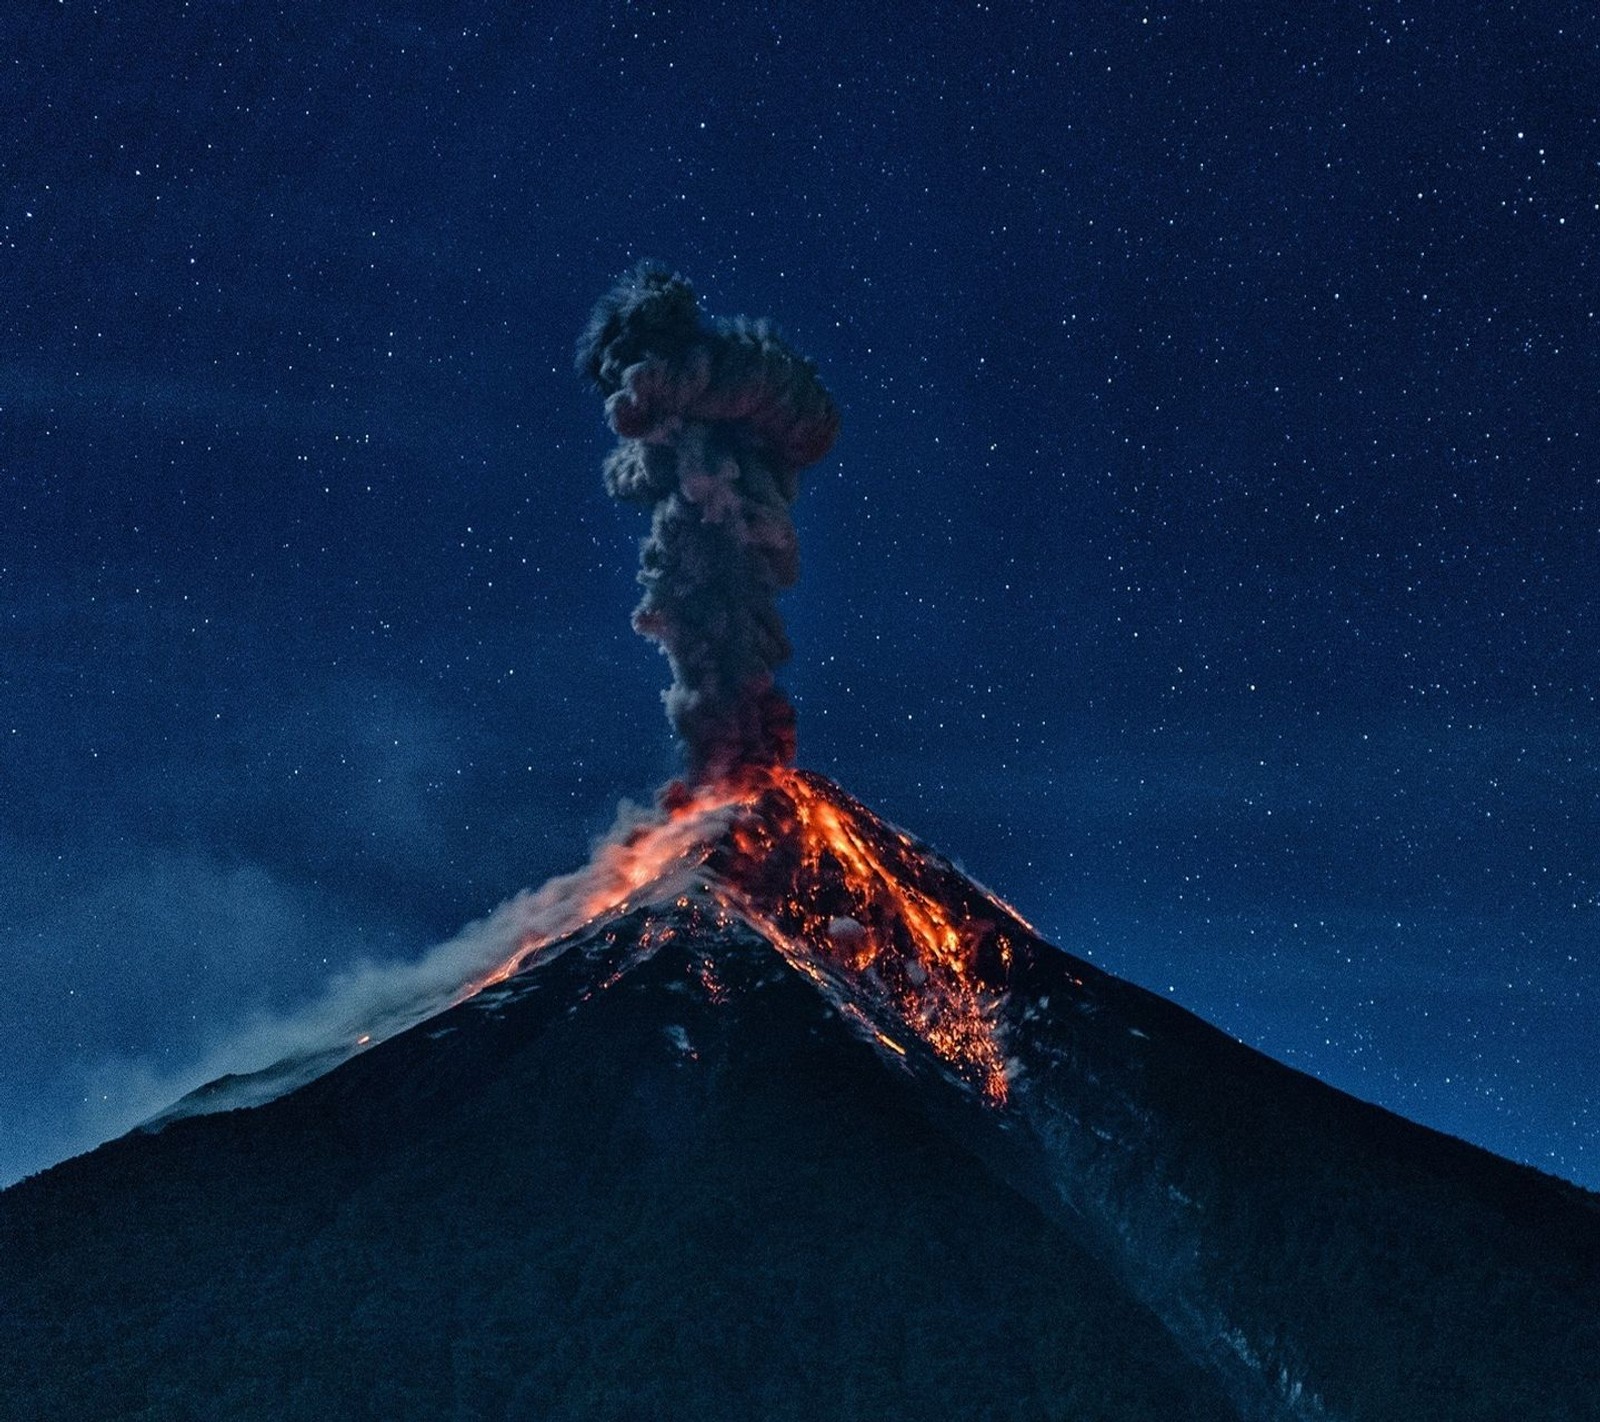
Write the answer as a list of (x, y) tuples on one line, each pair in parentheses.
[(771, 1112)]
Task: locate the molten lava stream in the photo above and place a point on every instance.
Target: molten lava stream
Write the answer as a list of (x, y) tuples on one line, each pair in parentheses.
[(830, 886)]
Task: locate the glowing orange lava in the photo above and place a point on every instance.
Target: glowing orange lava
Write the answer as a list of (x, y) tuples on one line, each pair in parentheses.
[(827, 881), (842, 895)]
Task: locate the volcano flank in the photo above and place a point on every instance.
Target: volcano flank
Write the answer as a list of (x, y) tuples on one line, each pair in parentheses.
[(800, 1123), (770, 1112)]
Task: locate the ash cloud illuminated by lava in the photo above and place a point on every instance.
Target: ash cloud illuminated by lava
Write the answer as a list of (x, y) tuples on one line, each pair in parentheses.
[(714, 423)]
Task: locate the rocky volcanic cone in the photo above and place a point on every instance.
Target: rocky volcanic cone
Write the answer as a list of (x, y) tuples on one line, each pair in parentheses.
[(789, 1118)]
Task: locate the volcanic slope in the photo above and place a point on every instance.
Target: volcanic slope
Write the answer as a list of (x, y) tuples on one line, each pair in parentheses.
[(803, 1124), (687, 1190)]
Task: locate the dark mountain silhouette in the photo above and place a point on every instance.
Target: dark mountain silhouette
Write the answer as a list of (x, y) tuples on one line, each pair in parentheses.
[(804, 1124)]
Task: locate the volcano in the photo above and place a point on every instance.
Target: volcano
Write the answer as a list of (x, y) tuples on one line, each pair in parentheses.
[(784, 1116)]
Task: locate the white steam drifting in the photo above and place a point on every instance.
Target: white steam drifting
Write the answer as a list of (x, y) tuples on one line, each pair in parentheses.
[(271, 1055)]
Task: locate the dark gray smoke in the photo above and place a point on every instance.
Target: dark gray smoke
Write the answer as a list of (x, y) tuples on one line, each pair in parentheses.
[(714, 424)]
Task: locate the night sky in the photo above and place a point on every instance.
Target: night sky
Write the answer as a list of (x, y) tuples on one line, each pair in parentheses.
[(1206, 562)]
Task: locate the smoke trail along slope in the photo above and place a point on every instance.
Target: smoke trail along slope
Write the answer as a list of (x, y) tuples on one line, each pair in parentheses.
[(714, 423)]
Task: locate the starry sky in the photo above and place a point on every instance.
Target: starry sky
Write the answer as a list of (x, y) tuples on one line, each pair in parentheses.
[(1206, 561)]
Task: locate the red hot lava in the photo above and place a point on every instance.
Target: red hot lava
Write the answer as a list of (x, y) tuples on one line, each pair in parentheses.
[(840, 891), (844, 896)]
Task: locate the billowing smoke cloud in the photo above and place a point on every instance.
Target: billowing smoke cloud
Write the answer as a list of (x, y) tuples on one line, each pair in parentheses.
[(714, 422)]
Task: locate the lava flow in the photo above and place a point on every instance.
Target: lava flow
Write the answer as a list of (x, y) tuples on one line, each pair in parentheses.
[(847, 899), (840, 891)]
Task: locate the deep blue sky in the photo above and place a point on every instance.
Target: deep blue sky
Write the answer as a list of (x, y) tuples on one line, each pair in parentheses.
[(1206, 562)]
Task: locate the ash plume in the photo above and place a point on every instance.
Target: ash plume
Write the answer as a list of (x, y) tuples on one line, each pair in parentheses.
[(714, 421)]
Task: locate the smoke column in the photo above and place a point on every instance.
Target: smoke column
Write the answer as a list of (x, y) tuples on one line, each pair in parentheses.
[(714, 422)]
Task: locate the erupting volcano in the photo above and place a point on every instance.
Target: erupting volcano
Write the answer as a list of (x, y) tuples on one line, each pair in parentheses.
[(910, 946), (769, 1111), (714, 424)]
